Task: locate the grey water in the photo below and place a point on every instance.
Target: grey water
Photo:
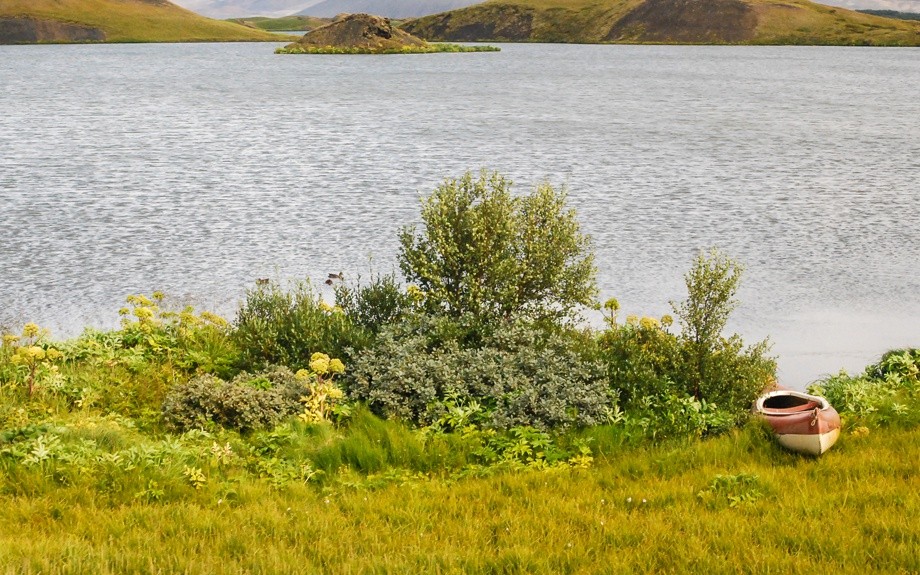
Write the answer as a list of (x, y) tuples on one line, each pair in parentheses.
[(197, 168)]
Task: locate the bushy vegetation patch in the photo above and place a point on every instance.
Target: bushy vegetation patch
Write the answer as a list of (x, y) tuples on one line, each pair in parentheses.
[(517, 375), (434, 48), (886, 391), (277, 326)]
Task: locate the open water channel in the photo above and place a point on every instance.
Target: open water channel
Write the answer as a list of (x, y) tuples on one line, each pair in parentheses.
[(197, 168)]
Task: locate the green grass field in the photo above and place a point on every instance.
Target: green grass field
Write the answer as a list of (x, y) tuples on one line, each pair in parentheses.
[(284, 24), (734, 504), (135, 20)]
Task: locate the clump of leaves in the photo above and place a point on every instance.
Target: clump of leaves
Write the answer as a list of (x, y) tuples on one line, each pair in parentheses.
[(520, 374), (486, 253)]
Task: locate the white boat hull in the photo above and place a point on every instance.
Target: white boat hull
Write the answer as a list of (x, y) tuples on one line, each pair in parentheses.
[(811, 444)]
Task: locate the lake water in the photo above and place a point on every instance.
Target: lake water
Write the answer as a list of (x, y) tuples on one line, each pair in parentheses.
[(197, 168)]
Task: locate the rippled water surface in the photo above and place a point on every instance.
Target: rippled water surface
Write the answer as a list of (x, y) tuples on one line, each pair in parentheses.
[(197, 168)]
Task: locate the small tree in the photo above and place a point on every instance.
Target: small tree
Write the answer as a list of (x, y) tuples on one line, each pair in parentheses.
[(716, 368), (486, 253)]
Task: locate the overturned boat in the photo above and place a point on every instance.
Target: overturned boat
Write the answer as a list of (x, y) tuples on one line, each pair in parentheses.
[(802, 422)]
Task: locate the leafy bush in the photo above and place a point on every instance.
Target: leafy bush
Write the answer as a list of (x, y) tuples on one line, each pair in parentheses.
[(642, 360), (376, 304), (718, 369), (886, 391), (194, 342), (278, 327), (245, 403), (520, 376), (484, 253)]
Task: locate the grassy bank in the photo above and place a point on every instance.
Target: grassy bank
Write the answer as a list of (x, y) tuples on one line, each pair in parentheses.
[(456, 420), (732, 504)]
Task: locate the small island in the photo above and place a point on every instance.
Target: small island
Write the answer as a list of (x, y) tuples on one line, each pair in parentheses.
[(368, 34)]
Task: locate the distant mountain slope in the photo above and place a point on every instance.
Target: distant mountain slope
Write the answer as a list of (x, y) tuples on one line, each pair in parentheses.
[(245, 8), (35, 21), (664, 21), (387, 8), (284, 24), (893, 14)]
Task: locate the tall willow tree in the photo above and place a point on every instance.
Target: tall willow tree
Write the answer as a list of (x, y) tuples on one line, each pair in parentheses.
[(484, 252)]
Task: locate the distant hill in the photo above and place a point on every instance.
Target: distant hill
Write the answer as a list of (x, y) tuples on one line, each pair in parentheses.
[(41, 21), (893, 14), (284, 24), (387, 8), (665, 22), (245, 8)]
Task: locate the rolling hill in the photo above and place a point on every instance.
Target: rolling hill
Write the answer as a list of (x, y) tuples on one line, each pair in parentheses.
[(664, 22), (387, 8), (62, 21), (284, 24)]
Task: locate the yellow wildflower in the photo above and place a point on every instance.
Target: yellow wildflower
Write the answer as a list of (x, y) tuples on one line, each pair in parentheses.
[(319, 355), (415, 292), (667, 320), (632, 320), (53, 354), (336, 366), (158, 295), (612, 305), (326, 307), (214, 319), (320, 365), (143, 313), (9, 340), (30, 330), (649, 323)]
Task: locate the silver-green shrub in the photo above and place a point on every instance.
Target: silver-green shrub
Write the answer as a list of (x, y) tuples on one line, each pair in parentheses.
[(520, 374), (245, 403)]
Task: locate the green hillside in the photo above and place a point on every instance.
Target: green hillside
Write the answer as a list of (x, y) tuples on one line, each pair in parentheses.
[(665, 22), (287, 23), (60, 21)]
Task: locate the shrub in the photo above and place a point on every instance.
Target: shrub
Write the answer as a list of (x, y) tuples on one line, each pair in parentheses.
[(194, 342), (520, 375), (484, 253), (886, 391), (641, 360), (718, 369), (278, 327), (376, 304), (244, 404)]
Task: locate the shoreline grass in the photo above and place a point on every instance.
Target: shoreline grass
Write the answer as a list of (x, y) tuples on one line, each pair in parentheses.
[(434, 48), (736, 503)]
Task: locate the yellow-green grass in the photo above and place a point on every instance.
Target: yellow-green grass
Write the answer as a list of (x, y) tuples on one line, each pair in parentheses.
[(592, 21), (435, 48), (284, 24), (135, 20), (735, 504), (803, 22)]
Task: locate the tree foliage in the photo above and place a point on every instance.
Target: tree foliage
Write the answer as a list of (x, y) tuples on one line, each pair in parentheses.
[(484, 252)]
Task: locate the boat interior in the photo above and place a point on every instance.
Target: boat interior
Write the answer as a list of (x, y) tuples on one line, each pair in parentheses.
[(787, 403)]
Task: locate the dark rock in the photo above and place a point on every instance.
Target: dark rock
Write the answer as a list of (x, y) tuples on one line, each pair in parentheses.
[(32, 31)]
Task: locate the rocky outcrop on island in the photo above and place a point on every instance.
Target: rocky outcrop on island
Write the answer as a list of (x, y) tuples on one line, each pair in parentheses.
[(360, 32), (368, 34)]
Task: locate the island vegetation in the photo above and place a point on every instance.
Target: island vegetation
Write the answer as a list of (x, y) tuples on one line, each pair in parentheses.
[(64, 21), (456, 417), (368, 34), (664, 22)]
